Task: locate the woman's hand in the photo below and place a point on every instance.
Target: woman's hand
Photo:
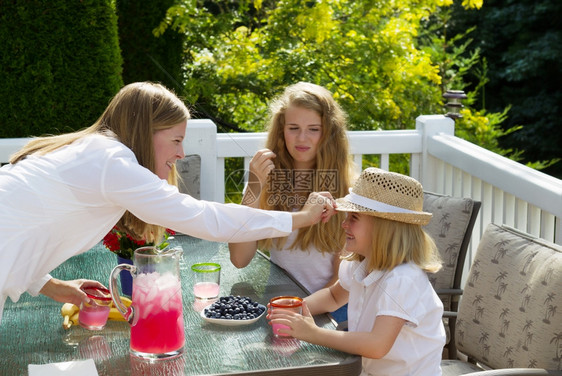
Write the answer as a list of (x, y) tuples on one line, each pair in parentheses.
[(69, 291), (320, 206)]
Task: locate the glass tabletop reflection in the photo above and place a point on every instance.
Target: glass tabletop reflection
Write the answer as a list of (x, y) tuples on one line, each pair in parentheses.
[(31, 330)]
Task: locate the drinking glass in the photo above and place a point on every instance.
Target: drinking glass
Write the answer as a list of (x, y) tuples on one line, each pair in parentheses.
[(93, 315), (206, 280), (287, 303)]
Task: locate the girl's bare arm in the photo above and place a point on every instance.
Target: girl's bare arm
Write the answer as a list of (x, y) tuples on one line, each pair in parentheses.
[(374, 344), (260, 166), (327, 299)]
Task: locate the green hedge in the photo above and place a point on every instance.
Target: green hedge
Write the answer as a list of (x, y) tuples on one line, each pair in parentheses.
[(147, 57), (60, 64)]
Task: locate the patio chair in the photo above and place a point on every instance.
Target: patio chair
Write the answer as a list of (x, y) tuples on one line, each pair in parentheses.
[(189, 171), (451, 229), (189, 175), (509, 320)]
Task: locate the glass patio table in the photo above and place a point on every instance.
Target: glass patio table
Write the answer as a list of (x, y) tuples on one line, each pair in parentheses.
[(31, 330)]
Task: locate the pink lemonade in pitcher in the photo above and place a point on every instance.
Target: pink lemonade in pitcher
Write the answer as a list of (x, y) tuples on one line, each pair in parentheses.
[(206, 290), (159, 326)]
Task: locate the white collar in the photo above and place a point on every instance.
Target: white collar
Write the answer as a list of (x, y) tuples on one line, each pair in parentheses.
[(364, 277)]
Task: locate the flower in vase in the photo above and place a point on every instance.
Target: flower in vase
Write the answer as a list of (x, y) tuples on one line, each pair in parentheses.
[(124, 245)]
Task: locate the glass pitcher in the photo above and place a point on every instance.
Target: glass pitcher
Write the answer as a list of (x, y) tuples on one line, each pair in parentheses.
[(156, 312)]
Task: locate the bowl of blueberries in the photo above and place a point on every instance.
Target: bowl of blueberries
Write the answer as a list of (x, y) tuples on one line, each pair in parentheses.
[(233, 311)]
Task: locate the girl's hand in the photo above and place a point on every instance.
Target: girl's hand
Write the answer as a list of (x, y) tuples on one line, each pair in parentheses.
[(261, 165), (300, 326)]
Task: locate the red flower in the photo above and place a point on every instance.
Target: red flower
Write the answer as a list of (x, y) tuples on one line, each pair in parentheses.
[(124, 245), (111, 241)]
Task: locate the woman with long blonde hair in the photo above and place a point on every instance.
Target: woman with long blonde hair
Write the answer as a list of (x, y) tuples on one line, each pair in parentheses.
[(306, 150), (61, 194)]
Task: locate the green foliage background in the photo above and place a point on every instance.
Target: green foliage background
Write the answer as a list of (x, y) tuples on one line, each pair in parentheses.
[(385, 62), (147, 57), (59, 67), (363, 52), (521, 42)]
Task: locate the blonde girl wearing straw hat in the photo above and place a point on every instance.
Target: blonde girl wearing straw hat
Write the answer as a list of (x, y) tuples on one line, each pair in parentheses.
[(394, 313)]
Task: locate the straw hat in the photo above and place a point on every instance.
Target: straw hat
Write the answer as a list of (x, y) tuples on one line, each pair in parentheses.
[(386, 195)]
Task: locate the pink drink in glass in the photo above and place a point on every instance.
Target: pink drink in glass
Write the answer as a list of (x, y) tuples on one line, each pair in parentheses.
[(93, 314), (94, 317), (206, 280), (287, 303), (276, 328), (159, 327), (206, 290)]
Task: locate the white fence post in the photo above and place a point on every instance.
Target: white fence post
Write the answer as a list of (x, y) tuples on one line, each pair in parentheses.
[(201, 139), (430, 125)]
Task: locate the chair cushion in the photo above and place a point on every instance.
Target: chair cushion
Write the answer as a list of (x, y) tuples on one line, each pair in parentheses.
[(448, 226), (510, 314), (189, 171), (457, 367)]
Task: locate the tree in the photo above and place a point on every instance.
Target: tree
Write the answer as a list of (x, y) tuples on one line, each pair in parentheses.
[(364, 52), (521, 41), (385, 62), (146, 56), (375, 56), (59, 67)]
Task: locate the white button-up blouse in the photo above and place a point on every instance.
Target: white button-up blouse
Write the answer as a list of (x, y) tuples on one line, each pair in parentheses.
[(61, 204), (403, 292)]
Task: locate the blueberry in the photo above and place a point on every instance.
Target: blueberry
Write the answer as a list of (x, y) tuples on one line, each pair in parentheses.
[(234, 307)]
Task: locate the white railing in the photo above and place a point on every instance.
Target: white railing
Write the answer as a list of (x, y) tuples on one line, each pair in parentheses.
[(510, 192)]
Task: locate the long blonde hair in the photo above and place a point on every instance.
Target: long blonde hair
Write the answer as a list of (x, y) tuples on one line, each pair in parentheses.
[(136, 112), (395, 243), (332, 161)]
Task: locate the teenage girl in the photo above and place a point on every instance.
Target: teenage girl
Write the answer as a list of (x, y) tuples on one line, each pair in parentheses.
[(306, 150)]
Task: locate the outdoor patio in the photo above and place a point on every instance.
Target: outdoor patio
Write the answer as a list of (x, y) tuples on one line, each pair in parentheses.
[(511, 193)]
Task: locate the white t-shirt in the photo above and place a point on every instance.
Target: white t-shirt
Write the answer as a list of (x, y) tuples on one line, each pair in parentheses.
[(403, 292), (55, 206), (312, 268)]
